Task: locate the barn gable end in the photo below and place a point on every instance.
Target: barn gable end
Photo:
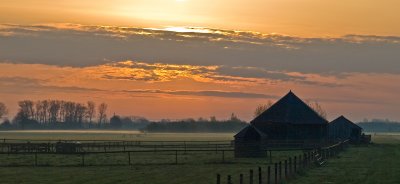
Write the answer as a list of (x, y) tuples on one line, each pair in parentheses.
[(342, 129), (288, 120)]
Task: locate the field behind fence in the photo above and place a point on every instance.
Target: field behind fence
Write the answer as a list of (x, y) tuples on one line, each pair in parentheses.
[(17, 152)]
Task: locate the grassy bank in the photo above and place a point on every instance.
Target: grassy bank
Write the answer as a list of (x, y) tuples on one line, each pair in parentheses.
[(376, 163)]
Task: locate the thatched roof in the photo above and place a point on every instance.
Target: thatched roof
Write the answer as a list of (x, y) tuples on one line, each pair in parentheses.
[(344, 120), (291, 110)]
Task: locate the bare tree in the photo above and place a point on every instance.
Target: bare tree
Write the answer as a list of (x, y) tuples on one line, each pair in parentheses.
[(262, 107), (27, 109), (102, 113), (54, 110), (317, 108), (3, 109), (91, 110), (80, 110)]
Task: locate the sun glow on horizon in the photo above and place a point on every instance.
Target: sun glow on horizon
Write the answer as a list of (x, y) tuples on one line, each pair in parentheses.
[(187, 29)]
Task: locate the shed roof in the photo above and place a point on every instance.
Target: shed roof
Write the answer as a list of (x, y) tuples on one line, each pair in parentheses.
[(342, 119), (289, 109), (250, 129)]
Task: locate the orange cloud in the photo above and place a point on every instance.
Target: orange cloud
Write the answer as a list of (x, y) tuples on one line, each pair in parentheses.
[(151, 87)]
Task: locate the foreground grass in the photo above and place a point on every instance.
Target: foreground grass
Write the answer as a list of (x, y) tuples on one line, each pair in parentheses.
[(147, 168), (192, 169), (376, 163)]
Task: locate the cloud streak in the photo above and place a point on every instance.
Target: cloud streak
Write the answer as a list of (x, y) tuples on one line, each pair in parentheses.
[(83, 45), (22, 84)]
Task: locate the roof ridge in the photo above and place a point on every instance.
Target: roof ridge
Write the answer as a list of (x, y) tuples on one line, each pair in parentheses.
[(290, 109)]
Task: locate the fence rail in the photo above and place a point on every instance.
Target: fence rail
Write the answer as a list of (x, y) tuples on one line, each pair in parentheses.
[(287, 169), (171, 152)]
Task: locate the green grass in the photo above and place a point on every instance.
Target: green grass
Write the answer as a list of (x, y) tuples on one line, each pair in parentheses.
[(376, 163), (146, 168), (150, 168)]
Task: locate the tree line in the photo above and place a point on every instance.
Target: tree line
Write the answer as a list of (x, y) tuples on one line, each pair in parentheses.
[(56, 114), (234, 124), (379, 125), (60, 114)]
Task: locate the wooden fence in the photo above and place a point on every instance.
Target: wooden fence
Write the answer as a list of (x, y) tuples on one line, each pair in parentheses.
[(50, 146), (287, 169)]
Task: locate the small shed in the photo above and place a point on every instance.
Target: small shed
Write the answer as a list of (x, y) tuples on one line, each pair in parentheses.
[(342, 129), (249, 142)]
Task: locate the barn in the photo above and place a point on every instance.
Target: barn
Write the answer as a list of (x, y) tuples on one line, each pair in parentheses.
[(288, 120), (250, 142), (342, 129)]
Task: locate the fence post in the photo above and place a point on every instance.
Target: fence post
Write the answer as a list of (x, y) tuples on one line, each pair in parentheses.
[(229, 179), (176, 157), (269, 175), (280, 171), (259, 176), (83, 159), (295, 164), (270, 156), (276, 173), (300, 162), (241, 178), (223, 156), (129, 158), (184, 142), (35, 159), (251, 176), (286, 173), (218, 179), (290, 166)]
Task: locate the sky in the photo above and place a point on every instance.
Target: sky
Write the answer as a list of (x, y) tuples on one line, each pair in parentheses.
[(200, 58)]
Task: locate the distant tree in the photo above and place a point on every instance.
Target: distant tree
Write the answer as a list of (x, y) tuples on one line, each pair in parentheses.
[(80, 113), (25, 116), (102, 109), (317, 108), (3, 110), (213, 119), (6, 124), (116, 122), (54, 109), (262, 107), (91, 110), (234, 118), (201, 119), (26, 109)]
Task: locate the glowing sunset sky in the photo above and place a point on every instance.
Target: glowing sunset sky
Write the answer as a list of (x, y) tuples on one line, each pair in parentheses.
[(193, 58)]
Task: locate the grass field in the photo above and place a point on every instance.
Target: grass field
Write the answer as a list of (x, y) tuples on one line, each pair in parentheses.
[(376, 163)]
